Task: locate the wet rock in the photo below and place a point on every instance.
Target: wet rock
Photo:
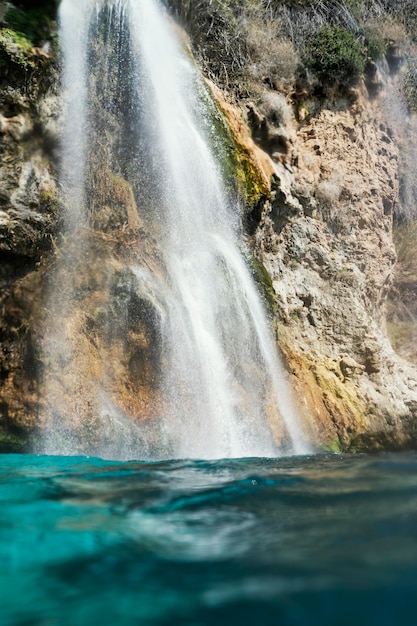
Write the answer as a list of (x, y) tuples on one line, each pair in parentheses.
[(349, 367), (29, 206)]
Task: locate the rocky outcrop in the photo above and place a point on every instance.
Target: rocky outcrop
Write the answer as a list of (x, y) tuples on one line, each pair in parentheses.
[(29, 210), (325, 238)]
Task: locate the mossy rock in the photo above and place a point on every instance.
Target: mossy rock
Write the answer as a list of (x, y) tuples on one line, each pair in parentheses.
[(12, 441), (23, 31), (395, 441), (264, 282), (34, 23), (236, 153), (333, 447), (250, 183), (15, 48)]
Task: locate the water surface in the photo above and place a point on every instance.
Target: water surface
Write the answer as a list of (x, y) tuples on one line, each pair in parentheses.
[(299, 541)]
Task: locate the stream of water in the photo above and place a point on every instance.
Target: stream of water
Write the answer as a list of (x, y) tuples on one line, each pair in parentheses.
[(138, 114)]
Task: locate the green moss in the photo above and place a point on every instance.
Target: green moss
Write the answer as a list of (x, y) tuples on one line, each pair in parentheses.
[(49, 201), (333, 446), (220, 137), (14, 47), (24, 30), (237, 166), (12, 441), (14, 39), (241, 172), (249, 182), (48, 197), (264, 282), (35, 24)]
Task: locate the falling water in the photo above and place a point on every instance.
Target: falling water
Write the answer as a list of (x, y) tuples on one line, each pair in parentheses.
[(138, 128)]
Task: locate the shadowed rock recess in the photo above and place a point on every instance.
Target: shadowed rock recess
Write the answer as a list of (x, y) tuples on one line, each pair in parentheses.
[(320, 176)]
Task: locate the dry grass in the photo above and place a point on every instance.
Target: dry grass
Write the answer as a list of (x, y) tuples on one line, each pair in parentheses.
[(243, 45), (272, 56)]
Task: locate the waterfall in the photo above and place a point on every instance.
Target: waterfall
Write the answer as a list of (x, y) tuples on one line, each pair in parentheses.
[(157, 343)]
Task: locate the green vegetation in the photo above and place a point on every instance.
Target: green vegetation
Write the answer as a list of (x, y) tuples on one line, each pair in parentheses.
[(34, 24), (246, 45), (334, 447), (14, 47), (23, 30), (252, 47), (264, 282), (335, 57), (376, 46), (249, 180)]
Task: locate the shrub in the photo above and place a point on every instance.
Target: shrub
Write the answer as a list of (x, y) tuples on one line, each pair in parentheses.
[(335, 57), (328, 191), (215, 30), (238, 43), (375, 44)]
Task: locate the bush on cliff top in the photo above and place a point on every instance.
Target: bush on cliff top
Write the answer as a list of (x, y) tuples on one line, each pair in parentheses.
[(239, 43), (335, 57)]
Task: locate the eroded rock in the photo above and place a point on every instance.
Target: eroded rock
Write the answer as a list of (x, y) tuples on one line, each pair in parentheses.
[(332, 265)]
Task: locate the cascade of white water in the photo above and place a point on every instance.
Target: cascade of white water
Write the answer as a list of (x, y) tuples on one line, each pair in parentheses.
[(223, 384), (73, 43)]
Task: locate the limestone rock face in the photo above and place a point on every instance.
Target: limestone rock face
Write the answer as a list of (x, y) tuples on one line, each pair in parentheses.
[(29, 205), (326, 240), (29, 123)]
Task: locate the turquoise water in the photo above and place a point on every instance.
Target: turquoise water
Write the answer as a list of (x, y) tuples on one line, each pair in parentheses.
[(301, 541)]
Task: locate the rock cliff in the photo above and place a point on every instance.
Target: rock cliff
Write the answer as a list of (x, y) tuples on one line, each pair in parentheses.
[(325, 237), (322, 186), (30, 109)]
